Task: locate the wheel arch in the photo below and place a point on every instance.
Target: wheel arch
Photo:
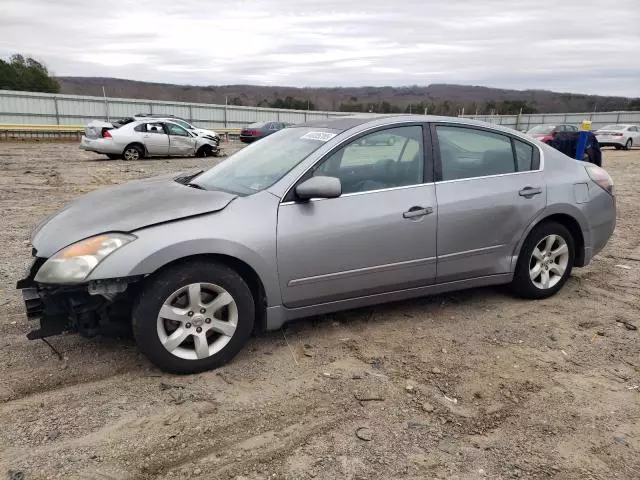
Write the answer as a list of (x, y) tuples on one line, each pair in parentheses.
[(242, 268), (139, 144), (571, 223)]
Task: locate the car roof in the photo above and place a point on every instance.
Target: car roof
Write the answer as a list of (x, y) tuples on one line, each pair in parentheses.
[(342, 124)]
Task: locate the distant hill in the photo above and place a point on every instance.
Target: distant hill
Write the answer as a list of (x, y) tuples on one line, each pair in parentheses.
[(437, 98)]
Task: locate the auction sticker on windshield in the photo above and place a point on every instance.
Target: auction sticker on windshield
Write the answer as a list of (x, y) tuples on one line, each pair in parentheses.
[(322, 136)]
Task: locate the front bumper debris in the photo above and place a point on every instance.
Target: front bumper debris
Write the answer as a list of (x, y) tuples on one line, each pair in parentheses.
[(96, 307)]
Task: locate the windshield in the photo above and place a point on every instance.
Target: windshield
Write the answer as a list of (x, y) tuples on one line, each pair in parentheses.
[(263, 163), (614, 127), (182, 124), (542, 129)]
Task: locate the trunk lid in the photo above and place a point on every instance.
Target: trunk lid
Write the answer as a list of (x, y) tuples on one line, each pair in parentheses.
[(95, 128)]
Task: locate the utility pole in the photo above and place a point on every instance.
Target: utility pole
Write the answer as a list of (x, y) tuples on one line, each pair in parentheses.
[(106, 103)]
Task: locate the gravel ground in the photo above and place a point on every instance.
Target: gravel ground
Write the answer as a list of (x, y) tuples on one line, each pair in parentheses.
[(475, 384)]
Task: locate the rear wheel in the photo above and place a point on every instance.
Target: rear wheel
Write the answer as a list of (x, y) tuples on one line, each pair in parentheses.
[(628, 145), (133, 152), (545, 261), (193, 317)]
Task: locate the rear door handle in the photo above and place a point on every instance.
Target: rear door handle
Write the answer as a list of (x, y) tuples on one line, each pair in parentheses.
[(529, 192), (415, 212)]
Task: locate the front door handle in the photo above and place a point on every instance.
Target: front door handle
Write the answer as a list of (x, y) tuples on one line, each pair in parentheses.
[(415, 212), (530, 192)]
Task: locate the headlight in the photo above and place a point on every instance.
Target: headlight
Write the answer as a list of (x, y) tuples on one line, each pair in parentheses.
[(74, 263)]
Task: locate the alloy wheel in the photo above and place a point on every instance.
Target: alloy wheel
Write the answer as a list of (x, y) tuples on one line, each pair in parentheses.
[(549, 261), (197, 321), (131, 154)]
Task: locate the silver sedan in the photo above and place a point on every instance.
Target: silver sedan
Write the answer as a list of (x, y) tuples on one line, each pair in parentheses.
[(313, 219), (148, 138)]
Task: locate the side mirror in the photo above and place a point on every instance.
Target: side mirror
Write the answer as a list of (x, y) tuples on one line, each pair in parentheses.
[(319, 187)]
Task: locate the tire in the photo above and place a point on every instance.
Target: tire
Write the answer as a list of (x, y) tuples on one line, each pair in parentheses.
[(628, 145), (133, 152), (170, 290), (205, 151), (618, 147), (526, 287), (113, 156)]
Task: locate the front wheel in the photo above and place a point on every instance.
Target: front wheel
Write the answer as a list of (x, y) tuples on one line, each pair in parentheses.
[(205, 151), (545, 262), (193, 317), (628, 145)]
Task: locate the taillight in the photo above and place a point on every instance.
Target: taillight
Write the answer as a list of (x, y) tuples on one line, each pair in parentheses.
[(617, 134), (601, 177), (106, 134)]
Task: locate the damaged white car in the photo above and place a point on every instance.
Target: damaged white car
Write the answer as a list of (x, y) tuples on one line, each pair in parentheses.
[(147, 138)]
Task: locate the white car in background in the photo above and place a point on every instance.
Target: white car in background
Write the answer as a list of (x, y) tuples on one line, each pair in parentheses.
[(148, 138), (98, 127), (619, 136)]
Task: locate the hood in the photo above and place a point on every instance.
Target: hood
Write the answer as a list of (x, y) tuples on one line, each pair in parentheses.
[(202, 131), (125, 208)]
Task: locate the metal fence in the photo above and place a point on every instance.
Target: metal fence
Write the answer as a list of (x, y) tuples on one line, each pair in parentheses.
[(54, 109), (526, 121)]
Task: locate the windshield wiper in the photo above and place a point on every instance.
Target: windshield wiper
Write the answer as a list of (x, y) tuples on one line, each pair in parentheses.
[(186, 179)]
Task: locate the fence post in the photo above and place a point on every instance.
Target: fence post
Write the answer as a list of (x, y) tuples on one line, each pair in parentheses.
[(278, 115), (618, 119), (151, 108), (55, 104), (226, 125), (305, 116), (190, 114)]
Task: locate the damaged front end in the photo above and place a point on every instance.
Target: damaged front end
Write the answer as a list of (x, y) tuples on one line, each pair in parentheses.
[(95, 307)]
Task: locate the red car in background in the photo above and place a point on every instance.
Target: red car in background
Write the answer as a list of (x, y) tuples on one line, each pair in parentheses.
[(546, 133)]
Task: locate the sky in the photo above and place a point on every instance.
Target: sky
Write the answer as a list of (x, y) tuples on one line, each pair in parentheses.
[(583, 46)]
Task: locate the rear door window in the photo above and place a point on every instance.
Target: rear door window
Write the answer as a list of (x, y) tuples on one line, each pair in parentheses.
[(468, 153), (155, 128)]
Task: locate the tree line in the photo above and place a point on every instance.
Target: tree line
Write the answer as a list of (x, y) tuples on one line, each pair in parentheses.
[(26, 74), (444, 107)]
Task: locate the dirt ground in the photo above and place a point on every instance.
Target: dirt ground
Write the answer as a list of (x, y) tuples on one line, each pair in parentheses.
[(475, 384)]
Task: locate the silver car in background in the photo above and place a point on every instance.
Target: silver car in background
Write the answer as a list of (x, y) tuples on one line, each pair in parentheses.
[(148, 138), (618, 136), (314, 219)]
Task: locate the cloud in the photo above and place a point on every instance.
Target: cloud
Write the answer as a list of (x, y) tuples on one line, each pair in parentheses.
[(577, 45)]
